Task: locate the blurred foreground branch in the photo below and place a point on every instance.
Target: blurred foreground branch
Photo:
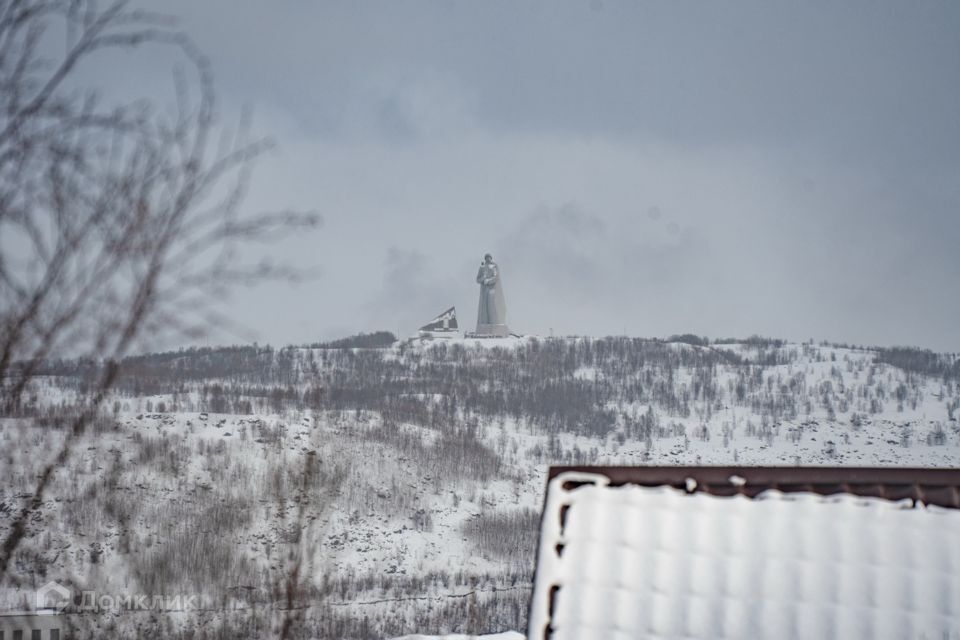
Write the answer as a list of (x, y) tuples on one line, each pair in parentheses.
[(119, 225)]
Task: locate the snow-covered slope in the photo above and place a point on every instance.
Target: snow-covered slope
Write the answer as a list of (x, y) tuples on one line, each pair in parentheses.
[(404, 484)]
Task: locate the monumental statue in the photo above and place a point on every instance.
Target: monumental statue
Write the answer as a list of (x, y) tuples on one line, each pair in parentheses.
[(492, 313)]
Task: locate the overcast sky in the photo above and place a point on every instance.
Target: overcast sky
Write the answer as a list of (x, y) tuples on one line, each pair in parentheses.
[(723, 168)]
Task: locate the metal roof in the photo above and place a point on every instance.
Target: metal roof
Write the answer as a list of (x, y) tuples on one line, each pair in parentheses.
[(929, 486), (663, 552)]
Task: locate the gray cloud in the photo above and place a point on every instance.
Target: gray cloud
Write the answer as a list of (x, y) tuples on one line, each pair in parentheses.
[(561, 246), (414, 289), (568, 269), (654, 167)]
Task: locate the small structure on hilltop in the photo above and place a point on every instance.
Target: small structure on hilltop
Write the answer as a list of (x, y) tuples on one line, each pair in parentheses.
[(443, 326), (492, 310), (45, 624), (748, 552)]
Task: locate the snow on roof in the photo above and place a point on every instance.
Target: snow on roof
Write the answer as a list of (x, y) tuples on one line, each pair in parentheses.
[(631, 561)]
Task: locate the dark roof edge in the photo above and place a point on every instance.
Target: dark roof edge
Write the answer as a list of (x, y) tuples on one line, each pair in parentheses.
[(939, 487)]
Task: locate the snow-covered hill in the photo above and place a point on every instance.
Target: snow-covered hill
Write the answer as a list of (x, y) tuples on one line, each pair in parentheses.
[(402, 486)]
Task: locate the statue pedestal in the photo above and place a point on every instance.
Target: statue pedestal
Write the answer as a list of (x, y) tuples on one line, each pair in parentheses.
[(492, 331)]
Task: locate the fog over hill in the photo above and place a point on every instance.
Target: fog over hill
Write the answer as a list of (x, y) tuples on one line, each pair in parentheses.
[(402, 481)]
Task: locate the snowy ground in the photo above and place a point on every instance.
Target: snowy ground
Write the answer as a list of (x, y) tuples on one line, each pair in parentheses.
[(190, 502)]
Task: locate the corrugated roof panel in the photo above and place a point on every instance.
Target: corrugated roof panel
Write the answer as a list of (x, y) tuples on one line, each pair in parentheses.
[(658, 562)]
